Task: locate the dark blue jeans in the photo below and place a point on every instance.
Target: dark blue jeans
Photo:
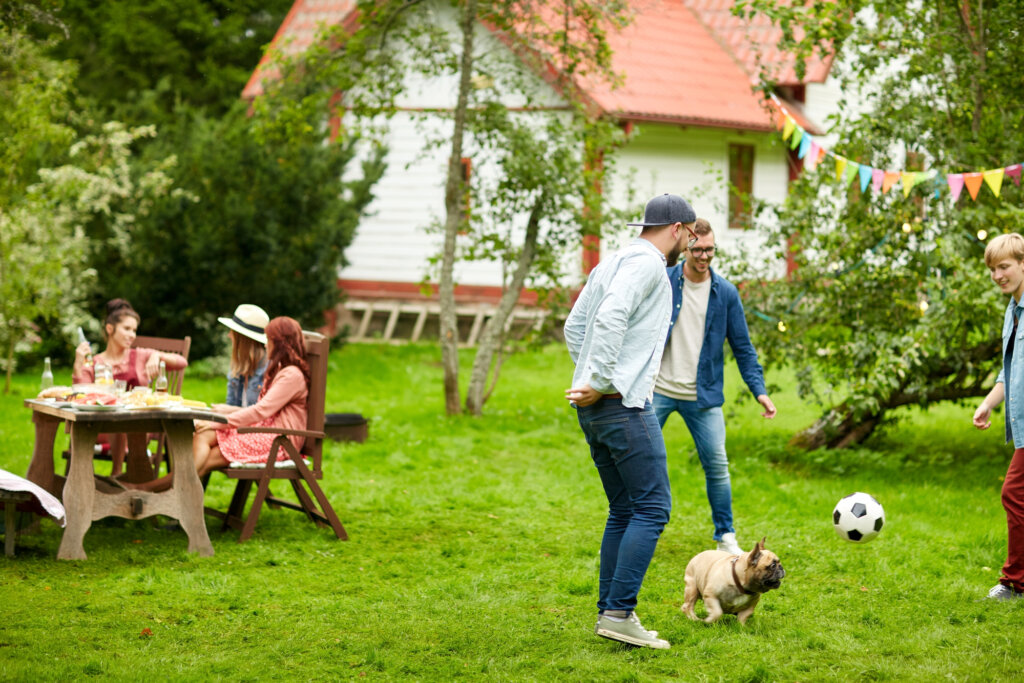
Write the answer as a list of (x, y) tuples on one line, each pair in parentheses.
[(629, 452)]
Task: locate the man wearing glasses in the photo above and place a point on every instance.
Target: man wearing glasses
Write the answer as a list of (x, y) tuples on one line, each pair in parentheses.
[(615, 333), (706, 310)]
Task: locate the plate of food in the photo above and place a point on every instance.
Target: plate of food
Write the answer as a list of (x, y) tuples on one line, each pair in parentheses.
[(93, 408)]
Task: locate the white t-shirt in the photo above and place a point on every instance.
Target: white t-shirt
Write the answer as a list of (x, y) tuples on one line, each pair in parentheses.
[(678, 374)]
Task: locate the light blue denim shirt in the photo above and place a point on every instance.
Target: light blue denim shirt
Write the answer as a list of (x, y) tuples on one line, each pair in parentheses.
[(616, 330), (1013, 390), (244, 392)]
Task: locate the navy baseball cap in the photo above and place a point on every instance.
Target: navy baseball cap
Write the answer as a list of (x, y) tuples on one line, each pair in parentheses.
[(667, 209)]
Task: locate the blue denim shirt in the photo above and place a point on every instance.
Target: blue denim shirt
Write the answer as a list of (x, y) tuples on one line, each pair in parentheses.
[(617, 328), (251, 388), (725, 320), (1013, 390)]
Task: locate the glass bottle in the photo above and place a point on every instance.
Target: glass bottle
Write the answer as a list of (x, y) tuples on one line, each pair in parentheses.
[(160, 386), (81, 338), (47, 381)]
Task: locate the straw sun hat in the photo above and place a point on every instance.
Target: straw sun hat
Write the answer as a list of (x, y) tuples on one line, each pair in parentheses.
[(249, 320)]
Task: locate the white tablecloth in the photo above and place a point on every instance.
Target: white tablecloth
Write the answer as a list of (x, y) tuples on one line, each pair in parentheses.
[(45, 503)]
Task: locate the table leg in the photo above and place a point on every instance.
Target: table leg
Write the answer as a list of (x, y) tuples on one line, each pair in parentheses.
[(40, 469), (78, 493), (187, 486), (138, 468), (10, 527)]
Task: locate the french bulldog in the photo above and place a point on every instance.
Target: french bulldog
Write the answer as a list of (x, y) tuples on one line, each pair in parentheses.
[(730, 584)]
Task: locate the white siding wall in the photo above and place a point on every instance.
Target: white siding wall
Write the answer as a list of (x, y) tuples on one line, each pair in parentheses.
[(694, 163)]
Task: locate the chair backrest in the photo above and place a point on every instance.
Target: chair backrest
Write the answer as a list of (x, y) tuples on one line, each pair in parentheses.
[(317, 347), (175, 378)]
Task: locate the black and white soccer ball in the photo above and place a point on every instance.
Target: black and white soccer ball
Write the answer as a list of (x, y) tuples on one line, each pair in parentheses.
[(858, 517)]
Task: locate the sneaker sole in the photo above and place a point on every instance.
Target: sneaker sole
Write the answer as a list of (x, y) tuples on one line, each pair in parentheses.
[(612, 635)]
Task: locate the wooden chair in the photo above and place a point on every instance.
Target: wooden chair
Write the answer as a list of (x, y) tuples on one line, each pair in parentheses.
[(175, 379), (304, 467)]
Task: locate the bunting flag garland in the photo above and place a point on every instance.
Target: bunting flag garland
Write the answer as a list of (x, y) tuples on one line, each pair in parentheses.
[(811, 151)]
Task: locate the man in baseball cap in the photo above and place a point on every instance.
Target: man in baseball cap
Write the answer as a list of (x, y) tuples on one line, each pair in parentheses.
[(665, 210), (615, 334)]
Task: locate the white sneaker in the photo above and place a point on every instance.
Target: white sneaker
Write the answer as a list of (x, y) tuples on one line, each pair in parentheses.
[(729, 544), (1001, 592), (629, 631)]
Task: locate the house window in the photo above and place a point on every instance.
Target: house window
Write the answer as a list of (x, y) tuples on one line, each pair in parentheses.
[(741, 184)]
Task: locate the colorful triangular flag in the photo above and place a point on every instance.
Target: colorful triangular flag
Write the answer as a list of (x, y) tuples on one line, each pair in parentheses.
[(956, 184), (788, 128), (840, 167), (866, 172), (908, 179), (877, 176), (1014, 172), (888, 180), (973, 183), (994, 180), (805, 145), (795, 140), (852, 170)]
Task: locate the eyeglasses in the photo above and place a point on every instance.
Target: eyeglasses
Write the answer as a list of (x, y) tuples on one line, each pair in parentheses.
[(690, 242), (710, 251)]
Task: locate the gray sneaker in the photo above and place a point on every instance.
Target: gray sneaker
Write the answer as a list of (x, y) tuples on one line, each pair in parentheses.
[(729, 544), (629, 631), (1001, 592)]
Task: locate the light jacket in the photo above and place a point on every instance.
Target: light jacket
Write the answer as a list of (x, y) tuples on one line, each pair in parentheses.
[(615, 332), (244, 392), (725, 320), (1013, 387)]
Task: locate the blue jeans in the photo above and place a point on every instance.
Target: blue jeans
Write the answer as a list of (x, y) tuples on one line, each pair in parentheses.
[(707, 427), (629, 452)]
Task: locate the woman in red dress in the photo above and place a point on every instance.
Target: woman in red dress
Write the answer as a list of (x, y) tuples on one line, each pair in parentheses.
[(136, 366), (282, 404)]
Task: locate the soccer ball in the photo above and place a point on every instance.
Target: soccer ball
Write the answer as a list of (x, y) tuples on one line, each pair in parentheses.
[(858, 517)]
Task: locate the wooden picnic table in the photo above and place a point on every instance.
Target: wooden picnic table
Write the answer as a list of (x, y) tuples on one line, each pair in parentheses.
[(85, 500)]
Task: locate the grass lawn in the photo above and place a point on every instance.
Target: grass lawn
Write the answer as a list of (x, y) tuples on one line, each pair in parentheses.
[(474, 553)]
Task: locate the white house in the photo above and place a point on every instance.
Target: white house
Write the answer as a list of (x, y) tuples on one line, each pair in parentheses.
[(697, 124)]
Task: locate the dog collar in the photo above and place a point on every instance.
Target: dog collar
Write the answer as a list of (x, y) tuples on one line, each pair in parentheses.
[(736, 579)]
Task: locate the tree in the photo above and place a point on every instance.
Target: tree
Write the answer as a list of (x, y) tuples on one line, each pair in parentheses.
[(548, 161), (263, 218), (142, 60), (43, 211), (891, 304), (260, 215)]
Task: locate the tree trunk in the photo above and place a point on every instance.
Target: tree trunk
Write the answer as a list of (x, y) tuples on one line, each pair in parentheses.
[(10, 361), (454, 219), (837, 429), (493, 337)]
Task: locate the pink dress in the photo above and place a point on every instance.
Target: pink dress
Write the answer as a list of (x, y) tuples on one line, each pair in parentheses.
[(132, 368), (282, 405)]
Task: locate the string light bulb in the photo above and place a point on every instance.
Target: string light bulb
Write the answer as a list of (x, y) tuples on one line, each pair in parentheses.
[(923, 305), (907, 228), (782, 326), (982, 234), (833, 266)]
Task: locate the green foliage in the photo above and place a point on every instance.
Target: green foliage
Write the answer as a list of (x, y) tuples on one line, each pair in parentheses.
[(473, 555), (264, 223), (891, 303), (50, 190), (139, 59)]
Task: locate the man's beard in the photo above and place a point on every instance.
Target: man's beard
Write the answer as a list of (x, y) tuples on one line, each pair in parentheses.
[(672, 257)]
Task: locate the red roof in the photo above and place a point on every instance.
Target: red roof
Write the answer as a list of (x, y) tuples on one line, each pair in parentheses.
[(683, 61)]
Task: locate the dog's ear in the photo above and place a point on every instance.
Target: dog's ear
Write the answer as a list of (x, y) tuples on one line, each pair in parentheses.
[(761, 542), (755, 554)]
